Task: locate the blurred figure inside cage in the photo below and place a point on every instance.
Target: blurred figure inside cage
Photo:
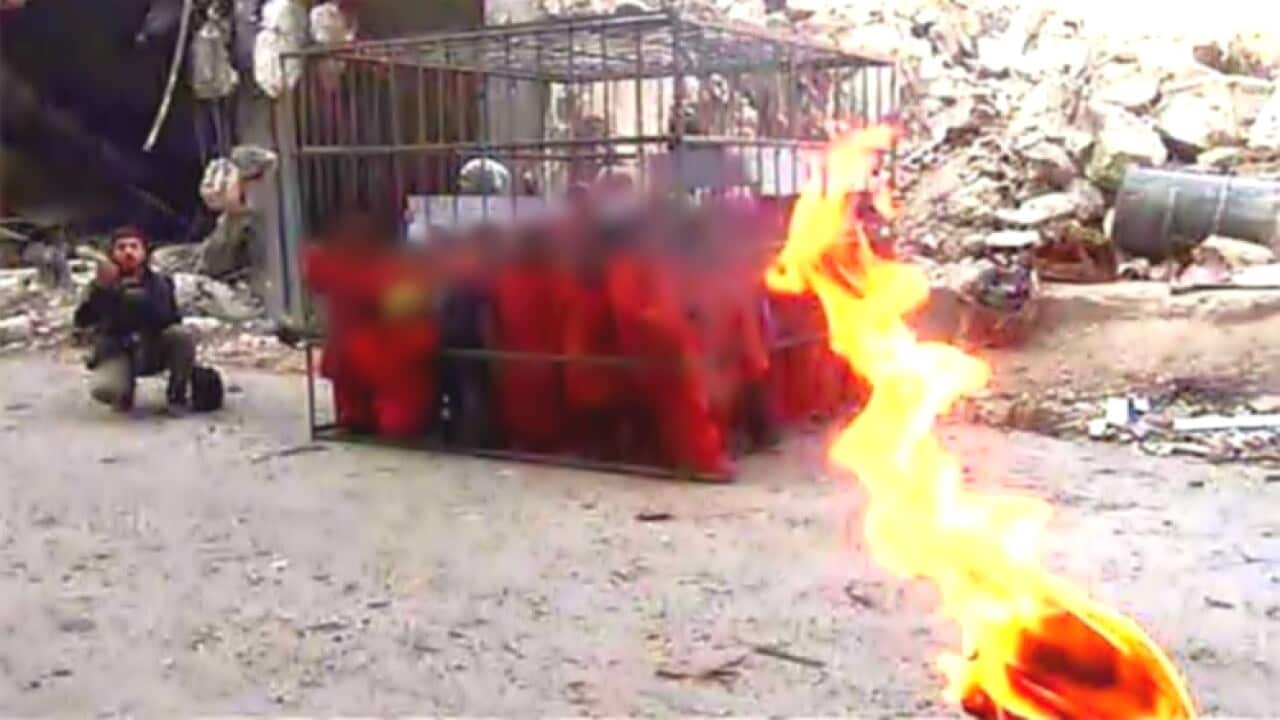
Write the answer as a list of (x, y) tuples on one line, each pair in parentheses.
[(382, 335), (468, 261), (526, 322), (669, 385), (592, 386)]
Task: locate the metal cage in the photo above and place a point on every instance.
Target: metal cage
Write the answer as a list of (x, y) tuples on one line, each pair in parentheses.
[(488, 124)]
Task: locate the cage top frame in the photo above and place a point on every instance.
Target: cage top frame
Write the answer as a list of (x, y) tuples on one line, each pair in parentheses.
[(595, 48)]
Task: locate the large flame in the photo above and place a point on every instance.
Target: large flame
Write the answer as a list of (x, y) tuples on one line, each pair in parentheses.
[(1034, 646)]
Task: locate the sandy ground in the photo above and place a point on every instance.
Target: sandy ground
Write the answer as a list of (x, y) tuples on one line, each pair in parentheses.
[(152, 566)]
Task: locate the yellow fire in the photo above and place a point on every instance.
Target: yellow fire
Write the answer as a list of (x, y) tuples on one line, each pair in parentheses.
[(1033, 645)]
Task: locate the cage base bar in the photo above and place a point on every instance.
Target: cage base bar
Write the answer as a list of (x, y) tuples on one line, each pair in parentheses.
[(335, 433)]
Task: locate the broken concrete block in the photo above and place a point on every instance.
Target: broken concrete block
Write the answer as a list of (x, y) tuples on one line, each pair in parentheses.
[(1039, 210), (198, 295), (1122, 139), (226, 248), (16, 329), (1050, 163), (1012, 239), (1130, 87), (1220, 158), (1239, 253), (171, 259), (202, 326), (1089, 201), (1211, 110)]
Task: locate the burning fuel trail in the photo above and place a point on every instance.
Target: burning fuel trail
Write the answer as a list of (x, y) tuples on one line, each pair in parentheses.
[(1033, 645)]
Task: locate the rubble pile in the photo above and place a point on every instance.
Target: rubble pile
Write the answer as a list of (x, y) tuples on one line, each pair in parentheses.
[(1022, 118), (36, 311)]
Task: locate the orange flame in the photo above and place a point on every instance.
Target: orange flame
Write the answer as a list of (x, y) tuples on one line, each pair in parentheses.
[(1034, 646)]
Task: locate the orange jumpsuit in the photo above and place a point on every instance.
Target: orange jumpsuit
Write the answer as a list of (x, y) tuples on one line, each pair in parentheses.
[(644, 298), (592, 392), (381, 367), (529, 398)]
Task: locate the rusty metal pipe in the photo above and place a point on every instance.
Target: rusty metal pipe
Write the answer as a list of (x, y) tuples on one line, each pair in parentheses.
[(1159, 212)]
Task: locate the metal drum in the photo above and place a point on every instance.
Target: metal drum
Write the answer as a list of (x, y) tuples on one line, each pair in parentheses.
[(1160, 211)]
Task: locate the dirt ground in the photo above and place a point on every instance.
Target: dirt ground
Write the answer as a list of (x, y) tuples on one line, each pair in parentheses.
[(152, 565)]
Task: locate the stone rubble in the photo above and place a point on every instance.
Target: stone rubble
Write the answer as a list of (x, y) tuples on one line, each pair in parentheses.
[(230, 322), (1023, 118)]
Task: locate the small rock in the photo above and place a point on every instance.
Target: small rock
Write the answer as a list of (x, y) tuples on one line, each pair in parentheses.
[(171, 259), (658, 516), (201, 296), (1098, 428), (1090, 205), (1012, 239), (77, 625), (1212, 109), (1039, 210), (1239, 253), (202, 326), (16, 329), (1220, 158), (1122, 139), (1195, 484), (1051, 163), (1129, 87), (226, 248)]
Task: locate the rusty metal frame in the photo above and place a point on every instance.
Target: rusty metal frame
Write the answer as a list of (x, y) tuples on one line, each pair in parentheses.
[(372, 119)]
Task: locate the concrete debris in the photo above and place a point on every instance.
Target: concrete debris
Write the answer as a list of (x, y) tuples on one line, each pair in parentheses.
[(204, 296), (1008, 105), (1220, 158), (1122, 139), (253, 161), (1039, 210), (203, 326), (1212, 110), (1127, 85), (1050, 163), (1239, 254), (16, 329), (1012, 239), (226, 249), (170, 259)]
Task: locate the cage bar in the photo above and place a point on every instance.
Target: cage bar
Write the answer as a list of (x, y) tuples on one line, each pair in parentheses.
[(376, 122)]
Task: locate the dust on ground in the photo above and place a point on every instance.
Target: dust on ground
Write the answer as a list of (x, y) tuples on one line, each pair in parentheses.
[(223, 565)]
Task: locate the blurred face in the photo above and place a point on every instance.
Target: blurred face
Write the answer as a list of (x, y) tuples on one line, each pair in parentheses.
[(128, 253)]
